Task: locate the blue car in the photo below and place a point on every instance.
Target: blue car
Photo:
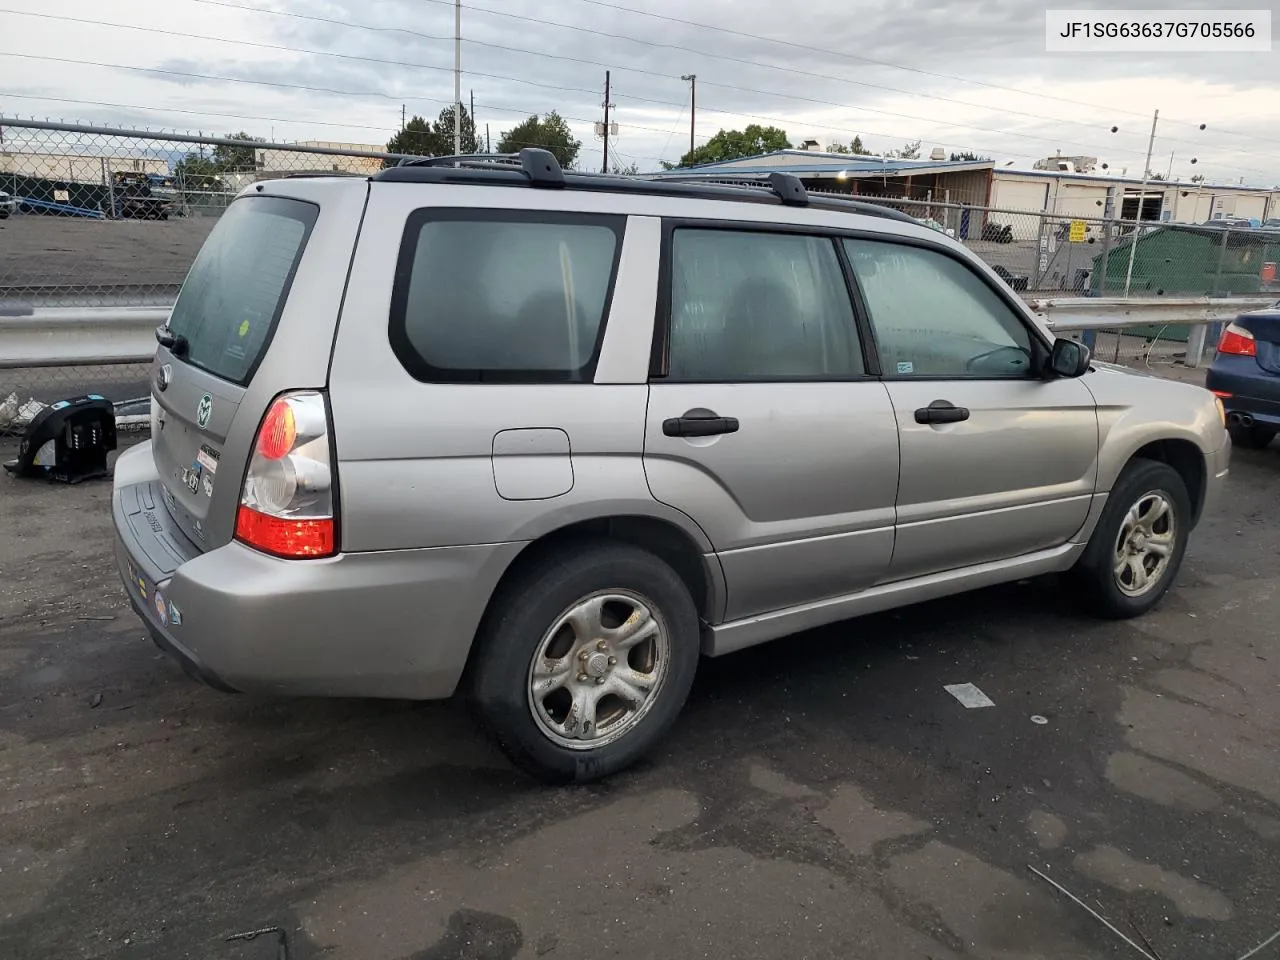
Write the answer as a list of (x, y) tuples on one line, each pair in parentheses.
[(1245, 373)]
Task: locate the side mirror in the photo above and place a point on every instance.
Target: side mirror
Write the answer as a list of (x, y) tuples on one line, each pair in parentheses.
[(1069, 358)]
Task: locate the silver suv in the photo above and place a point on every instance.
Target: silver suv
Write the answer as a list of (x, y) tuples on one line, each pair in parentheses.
[(548, 438)]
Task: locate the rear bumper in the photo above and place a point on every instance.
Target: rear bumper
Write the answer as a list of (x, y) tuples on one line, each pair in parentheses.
[(391, 624), (1246, 389)]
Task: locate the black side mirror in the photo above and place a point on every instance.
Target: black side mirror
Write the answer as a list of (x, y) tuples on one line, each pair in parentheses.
[(1069, 358)]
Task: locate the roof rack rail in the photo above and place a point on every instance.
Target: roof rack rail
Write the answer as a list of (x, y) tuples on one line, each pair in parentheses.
[(784, 186), (460, 160), (540, 166)]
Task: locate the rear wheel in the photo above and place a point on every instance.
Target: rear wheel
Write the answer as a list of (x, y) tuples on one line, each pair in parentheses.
[(1252, 437), (1134, 554), (585, 661)]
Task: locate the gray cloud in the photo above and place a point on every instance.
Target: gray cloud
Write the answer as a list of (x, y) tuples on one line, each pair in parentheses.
[(818, 88)]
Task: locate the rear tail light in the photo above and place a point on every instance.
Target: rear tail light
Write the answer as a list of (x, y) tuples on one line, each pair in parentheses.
[(287, 503), (1237, 341)]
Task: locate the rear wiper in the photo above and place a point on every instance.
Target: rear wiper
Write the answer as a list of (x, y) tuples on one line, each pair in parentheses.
[(176, 342)]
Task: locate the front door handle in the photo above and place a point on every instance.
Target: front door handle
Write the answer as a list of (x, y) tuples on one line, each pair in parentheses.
[(942, 411), (699, 423)]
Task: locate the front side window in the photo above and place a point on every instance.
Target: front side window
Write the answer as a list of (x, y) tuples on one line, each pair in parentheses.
[(758, 306), (491, 296), (935, 317)]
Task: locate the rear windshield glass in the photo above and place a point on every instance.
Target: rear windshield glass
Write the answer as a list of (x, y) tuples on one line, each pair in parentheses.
[(503, 296), (237, 286)]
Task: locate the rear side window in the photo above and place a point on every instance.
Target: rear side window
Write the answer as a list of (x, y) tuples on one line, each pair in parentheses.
[(228, 307), (500, 296)]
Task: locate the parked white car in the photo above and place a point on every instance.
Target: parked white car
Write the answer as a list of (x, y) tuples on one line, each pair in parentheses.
[(8, 205)]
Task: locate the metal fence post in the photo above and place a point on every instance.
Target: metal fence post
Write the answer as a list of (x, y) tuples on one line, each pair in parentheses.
[(1222, 256), (1107, 227)]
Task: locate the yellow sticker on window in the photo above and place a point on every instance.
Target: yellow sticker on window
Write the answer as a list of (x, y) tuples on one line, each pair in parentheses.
[(244, 327)]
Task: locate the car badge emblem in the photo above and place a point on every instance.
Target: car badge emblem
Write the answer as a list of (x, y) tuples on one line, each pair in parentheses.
[(204, 411)]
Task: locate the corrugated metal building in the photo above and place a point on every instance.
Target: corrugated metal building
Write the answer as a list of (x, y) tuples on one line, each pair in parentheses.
[(1090, 195), (936, 181)]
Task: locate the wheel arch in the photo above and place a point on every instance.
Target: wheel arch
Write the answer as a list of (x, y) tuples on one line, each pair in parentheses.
[(1185, 457), (667, 539)]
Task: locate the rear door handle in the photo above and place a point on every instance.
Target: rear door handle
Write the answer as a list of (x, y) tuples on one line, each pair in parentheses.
[(942, 411), (699, 423)]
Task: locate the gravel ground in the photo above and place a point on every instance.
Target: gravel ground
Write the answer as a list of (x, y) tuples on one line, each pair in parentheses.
[(819, 792)]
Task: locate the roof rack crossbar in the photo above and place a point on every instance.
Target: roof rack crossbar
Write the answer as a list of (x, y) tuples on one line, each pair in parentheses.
[(785, 186), (540, 166)]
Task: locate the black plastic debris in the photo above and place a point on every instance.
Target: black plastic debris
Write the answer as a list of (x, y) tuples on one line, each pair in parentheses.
[(68, 441)]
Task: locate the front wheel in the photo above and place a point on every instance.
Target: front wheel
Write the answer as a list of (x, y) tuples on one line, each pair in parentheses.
[(585, 661), (1134, 554)]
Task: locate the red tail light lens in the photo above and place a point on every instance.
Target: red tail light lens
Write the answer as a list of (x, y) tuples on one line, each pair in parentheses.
[(1238, 342), (285, 537), (287, 502)]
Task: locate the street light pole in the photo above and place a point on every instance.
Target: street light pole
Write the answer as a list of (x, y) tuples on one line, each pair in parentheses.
[(1142, 196), (457, 77), (693, 105)]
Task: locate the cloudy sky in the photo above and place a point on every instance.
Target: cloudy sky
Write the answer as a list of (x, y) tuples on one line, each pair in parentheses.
[(956, 75)]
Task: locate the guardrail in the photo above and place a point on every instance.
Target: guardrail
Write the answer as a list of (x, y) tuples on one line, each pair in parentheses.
[(1091, 314), (78, 336), (96, 336)]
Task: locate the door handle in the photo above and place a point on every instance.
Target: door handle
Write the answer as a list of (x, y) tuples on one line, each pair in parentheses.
[(699, 423), (942, 411)]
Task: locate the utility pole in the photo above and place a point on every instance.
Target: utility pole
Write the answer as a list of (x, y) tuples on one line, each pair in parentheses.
[(605, 167), (473, 115), (457, 77), (693, 105), (402, 118), (487, 148), (1142, 197)]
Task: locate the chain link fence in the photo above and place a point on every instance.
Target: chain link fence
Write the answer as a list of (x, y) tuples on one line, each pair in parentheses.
[(103, 217), (94, 216)]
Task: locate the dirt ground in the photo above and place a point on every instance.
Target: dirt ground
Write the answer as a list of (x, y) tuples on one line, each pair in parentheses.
[(821, 796), (72, 253)]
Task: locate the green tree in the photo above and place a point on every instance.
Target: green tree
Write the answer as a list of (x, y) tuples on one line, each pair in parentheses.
[(413, 139), (195, 172), (735, 144), (229, 159), (856, 148), (625, 170), (442, 132), (550, 132), (969, 155), (198, 172), (909, 151), (435, 139)]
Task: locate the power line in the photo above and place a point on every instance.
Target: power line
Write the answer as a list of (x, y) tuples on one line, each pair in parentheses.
[(239, 116), (299, 86), (1134, 151), (885, 63), (663, 76), (670, 103), (771, 66)]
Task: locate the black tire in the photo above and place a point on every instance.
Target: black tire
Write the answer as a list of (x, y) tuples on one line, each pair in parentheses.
[(528, 605), (1251, 438), (1094, 572)]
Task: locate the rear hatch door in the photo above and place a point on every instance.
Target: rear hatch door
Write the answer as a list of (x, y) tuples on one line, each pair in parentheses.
[(255, 316)]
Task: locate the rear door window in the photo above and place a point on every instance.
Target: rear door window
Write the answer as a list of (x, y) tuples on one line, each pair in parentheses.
[(503, 296), (228, 307)]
